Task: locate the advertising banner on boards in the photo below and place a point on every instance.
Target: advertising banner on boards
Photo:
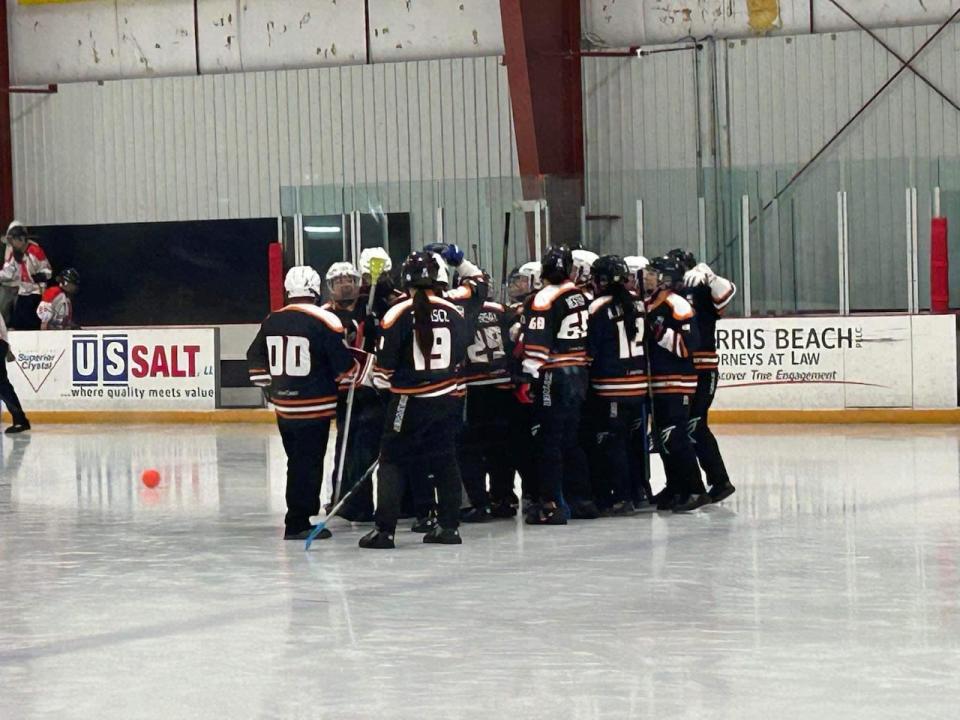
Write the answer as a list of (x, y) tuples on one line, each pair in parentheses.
[(877, 361), (132, 369)]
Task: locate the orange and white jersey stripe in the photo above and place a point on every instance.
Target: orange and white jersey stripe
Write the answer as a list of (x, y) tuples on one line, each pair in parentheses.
[(305, 408)]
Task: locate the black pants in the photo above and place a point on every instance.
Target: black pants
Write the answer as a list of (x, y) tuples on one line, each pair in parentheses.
[(419, 441), (363, 445), (7, 394), (484, 446), (560, 459), (670, 414), (25, 313), (618, 450), (305, 442), (708, 452), (520, 420)]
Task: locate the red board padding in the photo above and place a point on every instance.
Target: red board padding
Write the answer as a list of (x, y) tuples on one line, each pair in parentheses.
[(275, 273), (939, 267)]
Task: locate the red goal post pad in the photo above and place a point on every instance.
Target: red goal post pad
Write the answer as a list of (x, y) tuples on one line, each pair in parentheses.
[(939, 266)]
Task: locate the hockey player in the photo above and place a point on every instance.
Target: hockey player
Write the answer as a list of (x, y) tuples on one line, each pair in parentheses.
[(56, 308), (710, 295), (583, 261), (422, 342), (523, 285), (469, 295), (635, 264), (32, 273), (300, 356), (484, 446), (366, 418), (554, 358), (618, 383), (673, 336), (7, 392)]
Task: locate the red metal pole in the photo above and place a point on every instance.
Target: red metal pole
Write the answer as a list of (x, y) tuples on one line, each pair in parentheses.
[(6, 147)]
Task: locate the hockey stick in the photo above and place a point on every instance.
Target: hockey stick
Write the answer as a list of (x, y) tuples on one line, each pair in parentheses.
[(376, 268), (336, 508), (506, 248)]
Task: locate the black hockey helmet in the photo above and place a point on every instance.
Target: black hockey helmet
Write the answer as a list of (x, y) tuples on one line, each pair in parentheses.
[(557, 264), (608, 270), (686, 258), (670, 270), (70, 275), (420, 270)]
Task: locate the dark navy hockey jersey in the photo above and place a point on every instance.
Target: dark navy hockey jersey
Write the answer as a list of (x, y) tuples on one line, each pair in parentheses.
[(488, 356), (618, 365), (300, 355), (709, 301), (672, 337), (403, 368), (555, 330)]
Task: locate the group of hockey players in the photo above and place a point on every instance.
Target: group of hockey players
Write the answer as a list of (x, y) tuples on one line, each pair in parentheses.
[(588, 366)]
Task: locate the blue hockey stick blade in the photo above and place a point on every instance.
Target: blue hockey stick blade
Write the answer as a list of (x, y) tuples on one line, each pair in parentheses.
[(313, 534)]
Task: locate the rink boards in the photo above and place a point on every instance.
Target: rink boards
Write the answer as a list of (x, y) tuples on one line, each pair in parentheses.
[(879, 368), (837, 363)]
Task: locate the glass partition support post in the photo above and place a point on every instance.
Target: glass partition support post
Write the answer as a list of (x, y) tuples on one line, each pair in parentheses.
[(702, 227), (537, 232), (546, 222), (439, 225), (583, 225), (298, 238), (745, 237), (843, 237), (936, 202), (914, 250), (639, 227)]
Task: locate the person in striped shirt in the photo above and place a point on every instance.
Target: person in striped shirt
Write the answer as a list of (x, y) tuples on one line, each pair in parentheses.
[(673, 337), (299, 357), (423, 340), (554, 342), (617, 407), (710, 295)]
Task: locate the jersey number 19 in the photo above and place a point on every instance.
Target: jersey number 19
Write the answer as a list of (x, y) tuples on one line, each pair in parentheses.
[(439, 358)]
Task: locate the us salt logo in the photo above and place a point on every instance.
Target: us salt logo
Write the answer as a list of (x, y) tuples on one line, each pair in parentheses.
[(110, 360)]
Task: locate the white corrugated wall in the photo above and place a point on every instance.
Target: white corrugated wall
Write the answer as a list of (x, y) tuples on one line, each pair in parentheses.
[(404, 136), (779, 100)]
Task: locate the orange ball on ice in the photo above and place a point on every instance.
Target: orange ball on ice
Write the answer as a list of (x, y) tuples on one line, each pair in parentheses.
[(151, 478)]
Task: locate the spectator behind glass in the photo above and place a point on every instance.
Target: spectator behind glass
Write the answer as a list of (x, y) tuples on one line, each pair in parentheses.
[(56, 308), (27, 264)]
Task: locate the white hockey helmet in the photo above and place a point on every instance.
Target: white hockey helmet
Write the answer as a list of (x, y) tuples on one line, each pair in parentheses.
[(636, 263), (302, 281), (342, 269), (583, 261), (531, 271), (368, 254), (443, 277)]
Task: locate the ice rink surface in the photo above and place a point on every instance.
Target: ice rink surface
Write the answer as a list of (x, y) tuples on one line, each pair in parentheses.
[(826, 587)]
